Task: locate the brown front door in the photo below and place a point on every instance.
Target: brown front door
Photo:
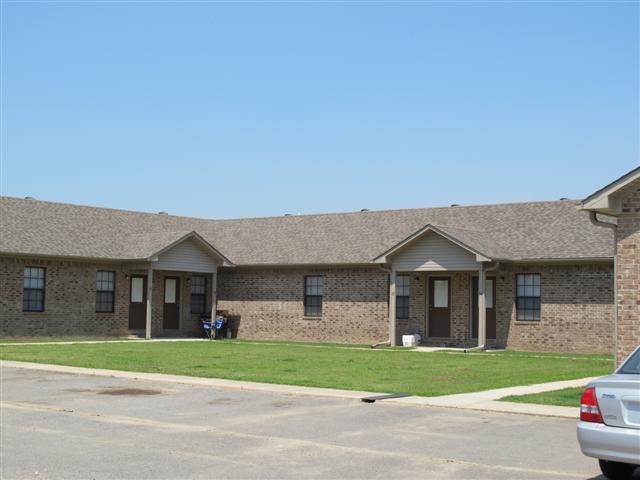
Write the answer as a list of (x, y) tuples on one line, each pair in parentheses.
[(439, 307), (171, 311), (490, 303), (138, 302)]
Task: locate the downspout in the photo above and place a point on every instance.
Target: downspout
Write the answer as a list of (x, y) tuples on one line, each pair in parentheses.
[(482, 347), (593, 216), (388, 341)]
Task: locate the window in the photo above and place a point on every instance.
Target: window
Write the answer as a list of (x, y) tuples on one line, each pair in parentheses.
[(441, 293), (488, 293), (137, 289), (402, 296), (528, 296), (33, 294), (631, 366), (105, 291), (313, 296), (198, 294)]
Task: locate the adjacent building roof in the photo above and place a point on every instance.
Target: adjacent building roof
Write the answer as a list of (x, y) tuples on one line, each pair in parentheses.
[(606, 200), (533, 231)]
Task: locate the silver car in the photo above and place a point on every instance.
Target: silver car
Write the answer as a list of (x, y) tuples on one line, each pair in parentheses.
[(609, 426)]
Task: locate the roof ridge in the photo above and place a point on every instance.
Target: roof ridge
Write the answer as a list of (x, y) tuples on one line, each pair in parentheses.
[(111, 209), (391, 210), (163, 232), (459, 228), (308, 215)]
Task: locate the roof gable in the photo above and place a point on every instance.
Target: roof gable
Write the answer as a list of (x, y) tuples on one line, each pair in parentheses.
[(606, 200), (195, 240), (191, 253), (470, 243)]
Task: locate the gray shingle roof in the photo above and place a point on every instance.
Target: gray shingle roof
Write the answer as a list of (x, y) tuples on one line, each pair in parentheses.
[(521, 231), (478, 240)]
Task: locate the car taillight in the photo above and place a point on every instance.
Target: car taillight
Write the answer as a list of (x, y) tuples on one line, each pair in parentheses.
[(589, 410)]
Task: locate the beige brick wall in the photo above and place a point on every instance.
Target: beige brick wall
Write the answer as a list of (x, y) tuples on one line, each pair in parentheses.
[(268, 304), (577, 312), (577, 305), (628, 265), (69, 300)]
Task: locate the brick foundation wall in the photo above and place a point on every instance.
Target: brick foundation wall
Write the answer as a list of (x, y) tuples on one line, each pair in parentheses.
[(628, 266), (69, 300), (268, 304)]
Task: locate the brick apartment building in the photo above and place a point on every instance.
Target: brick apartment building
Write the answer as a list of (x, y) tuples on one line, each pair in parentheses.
[(543, 271)]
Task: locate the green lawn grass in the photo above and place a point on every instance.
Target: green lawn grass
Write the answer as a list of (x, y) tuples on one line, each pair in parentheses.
[(567, 397), (350, 368), (61, 339)]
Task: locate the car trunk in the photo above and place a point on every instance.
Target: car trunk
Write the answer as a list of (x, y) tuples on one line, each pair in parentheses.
[(619, 400)]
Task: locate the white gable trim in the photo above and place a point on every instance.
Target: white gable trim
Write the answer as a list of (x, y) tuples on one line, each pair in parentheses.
[(605, 200)]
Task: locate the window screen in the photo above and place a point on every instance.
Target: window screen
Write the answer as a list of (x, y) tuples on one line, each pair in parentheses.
[(198, 294), (528, 296), (402, 296), (33, 293), (105, 291), (313, 290)]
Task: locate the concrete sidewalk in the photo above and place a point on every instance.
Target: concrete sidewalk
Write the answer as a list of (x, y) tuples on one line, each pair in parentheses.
[(488, 400), (485, 401)]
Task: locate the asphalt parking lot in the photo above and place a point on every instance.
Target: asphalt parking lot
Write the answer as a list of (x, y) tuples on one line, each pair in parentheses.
[(57, 425)]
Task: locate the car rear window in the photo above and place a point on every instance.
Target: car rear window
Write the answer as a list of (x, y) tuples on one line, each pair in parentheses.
[(632, 365)]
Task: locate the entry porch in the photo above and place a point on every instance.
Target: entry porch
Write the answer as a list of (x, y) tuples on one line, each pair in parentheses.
[(442, 287), (442, 307), (174, 286)]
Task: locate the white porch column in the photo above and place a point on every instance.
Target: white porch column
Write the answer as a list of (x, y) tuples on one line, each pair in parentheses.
[(147, 333), (214, 295), (392, 308), (482, 311)]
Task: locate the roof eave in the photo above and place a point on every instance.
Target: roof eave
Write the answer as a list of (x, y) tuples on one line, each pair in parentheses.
[(604, 201), (79, 258)]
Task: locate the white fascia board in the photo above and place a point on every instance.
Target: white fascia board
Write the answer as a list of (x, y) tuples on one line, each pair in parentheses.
[(605, 200), (608, 204)]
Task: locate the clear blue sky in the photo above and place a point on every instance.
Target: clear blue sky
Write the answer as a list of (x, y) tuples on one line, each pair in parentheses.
[(225, 110)]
